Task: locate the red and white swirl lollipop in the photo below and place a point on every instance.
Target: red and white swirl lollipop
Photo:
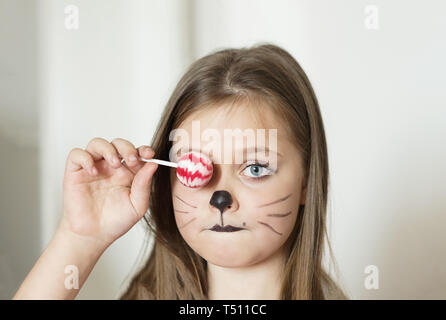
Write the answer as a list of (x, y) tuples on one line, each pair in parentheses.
[(194, 169)]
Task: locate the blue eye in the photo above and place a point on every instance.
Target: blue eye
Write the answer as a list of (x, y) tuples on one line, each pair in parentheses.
[(257, 171)]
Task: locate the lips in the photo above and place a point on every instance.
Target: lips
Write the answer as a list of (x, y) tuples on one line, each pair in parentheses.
[(226, 228)]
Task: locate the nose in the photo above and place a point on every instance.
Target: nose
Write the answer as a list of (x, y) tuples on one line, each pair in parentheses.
[(221, 199)]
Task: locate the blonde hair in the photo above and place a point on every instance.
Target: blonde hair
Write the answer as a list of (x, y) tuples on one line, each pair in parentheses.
[(173, 270)]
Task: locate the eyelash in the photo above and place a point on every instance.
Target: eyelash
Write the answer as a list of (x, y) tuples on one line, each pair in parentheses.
[(259, 164)]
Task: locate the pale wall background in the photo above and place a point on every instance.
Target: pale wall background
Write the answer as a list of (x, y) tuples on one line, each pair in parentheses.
[(381, 93)]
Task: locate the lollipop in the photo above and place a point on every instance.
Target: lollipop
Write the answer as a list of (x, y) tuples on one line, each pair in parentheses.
[(194, 169)]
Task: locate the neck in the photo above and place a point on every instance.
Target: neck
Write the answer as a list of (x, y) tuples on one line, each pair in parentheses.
[(261, 281)]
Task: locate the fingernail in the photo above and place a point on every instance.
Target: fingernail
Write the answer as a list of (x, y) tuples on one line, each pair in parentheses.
[(149, 152)]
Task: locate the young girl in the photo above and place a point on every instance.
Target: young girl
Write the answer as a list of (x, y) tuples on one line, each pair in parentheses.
[(256, 230)]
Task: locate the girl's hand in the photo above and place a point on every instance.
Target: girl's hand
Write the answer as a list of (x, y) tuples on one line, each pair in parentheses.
[(103, 205)]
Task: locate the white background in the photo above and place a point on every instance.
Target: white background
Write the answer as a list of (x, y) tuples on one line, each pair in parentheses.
[(381, 93)]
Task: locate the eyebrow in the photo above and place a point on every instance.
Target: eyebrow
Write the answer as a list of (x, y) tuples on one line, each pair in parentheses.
[(248, 150), (256, 149)]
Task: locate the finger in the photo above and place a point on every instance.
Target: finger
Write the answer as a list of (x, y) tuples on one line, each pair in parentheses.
[(102, 149), (140, 189), (127, 150), (144, 152), (80, 159)]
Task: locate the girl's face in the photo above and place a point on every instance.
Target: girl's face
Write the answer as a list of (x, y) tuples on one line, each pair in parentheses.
[(262, 199)]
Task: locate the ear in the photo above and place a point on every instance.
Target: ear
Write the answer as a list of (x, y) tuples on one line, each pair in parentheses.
[(303, 196)]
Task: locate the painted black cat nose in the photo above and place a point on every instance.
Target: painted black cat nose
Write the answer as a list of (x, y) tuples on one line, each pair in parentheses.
[(221, 199)]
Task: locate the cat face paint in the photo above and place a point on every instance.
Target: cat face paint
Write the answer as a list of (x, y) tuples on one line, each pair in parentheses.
[(247, 211)]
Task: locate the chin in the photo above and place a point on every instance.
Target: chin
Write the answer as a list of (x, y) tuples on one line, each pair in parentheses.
[(227, 261), (226, 255), (225, 249)]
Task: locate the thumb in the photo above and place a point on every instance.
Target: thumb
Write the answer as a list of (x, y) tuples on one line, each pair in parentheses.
[(140, 189)]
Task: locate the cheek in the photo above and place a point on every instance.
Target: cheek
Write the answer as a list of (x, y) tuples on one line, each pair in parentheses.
[(181, 219), (187, 204), (266, 243), (184, 222), (272, 231), (282, 183), (253, 200), (271, 224)]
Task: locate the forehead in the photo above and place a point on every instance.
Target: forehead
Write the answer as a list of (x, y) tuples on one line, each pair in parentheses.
[(239, 115), (252, 127), (226, 129)]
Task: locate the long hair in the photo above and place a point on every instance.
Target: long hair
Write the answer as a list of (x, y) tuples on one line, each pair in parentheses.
[(264, 71)]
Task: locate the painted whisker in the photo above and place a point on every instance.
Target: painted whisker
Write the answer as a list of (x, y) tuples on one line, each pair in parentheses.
[(279, 215), (184, 225), (267, 225), (276, 201), (185, 202), (181, 211)]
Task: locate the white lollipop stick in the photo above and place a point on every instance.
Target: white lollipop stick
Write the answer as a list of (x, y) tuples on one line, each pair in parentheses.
[(162, 162)]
